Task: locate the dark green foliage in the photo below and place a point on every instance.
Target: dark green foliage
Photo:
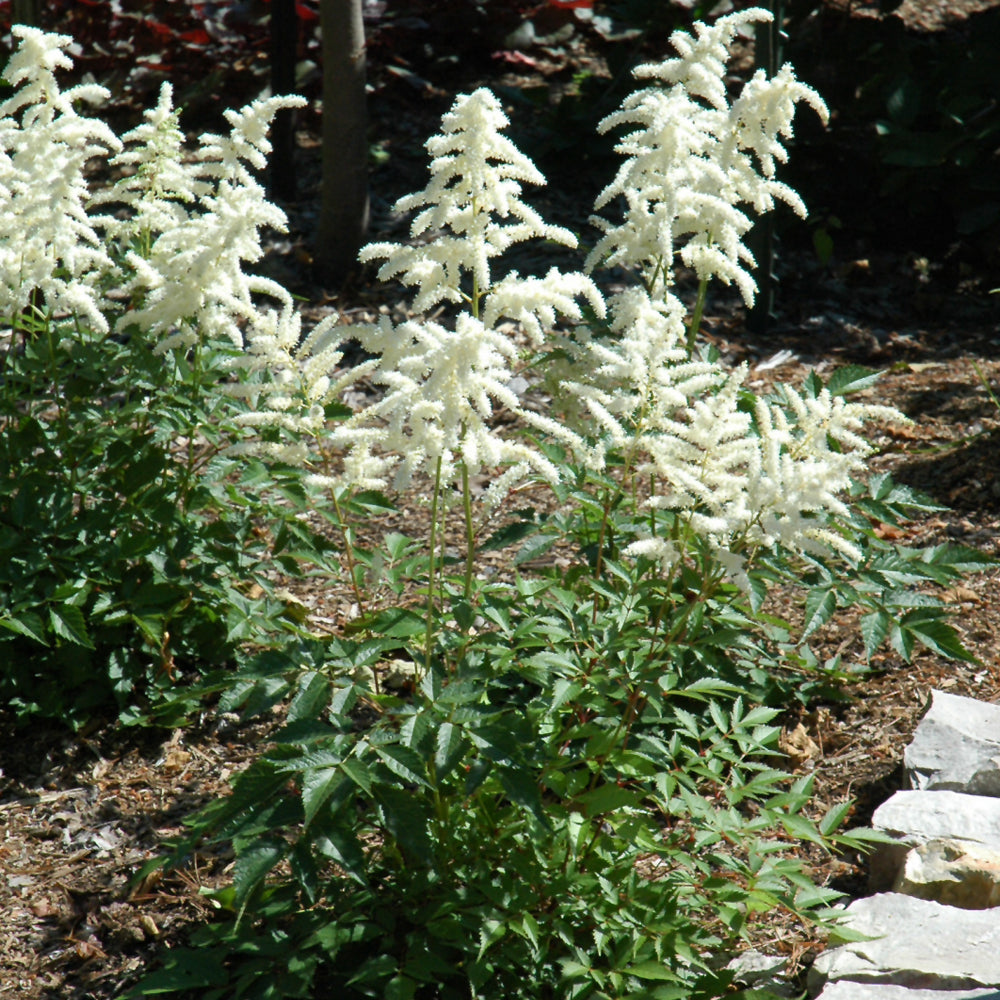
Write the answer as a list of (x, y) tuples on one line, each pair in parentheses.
[(578, 798), (549, 812), (936, 101), (131, 559), (916, 124)]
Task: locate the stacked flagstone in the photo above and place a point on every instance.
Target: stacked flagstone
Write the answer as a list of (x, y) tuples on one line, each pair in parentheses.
[(933, 924)]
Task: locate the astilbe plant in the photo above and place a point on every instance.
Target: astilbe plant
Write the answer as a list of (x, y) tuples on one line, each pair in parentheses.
[(538, 786), (570, 795), (125, 558)]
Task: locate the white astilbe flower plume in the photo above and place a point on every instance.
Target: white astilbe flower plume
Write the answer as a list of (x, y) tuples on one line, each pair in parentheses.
[(440, 395), (190, 285), (440, 387), (157, 189), (48, 245), (642, 371), (745, 479), (475, 187), (695, 164), (443, 386), (288, 382)]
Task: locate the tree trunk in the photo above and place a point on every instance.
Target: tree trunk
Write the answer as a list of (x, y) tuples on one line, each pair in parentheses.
[(27, 12), (767, 56), (284, 50), (343, 219)]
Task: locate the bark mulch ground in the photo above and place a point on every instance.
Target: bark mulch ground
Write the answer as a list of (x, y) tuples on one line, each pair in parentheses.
[(80, 813)]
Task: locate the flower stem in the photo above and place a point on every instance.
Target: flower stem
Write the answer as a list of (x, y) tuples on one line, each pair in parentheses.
[(345, 534), (429, 626), (699, 308), (470, 534)]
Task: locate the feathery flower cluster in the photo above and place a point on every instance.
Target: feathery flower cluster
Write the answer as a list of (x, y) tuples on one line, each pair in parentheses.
[(156, 187), (744, 481), (694, 159), (187, 269), (442, 385), (642, 371), (188, 225), (48, 245), (739, 475), (476, 175)]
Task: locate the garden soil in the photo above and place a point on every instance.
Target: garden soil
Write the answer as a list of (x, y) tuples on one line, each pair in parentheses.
[(81, 813)]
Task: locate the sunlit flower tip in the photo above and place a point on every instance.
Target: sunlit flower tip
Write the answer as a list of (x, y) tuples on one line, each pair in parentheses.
[(37, 52), (536, 302), (700, 65)]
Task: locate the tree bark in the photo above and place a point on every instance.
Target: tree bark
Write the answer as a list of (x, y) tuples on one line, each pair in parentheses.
[(343, 220), (27, 12), (761, 241), (284, 49)]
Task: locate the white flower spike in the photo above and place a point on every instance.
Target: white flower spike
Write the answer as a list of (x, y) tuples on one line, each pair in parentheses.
[(696, 166)]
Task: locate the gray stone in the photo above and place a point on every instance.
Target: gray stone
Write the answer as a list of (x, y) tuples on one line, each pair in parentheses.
[(915, 817), (921, 816), (956, 746), (956, 872), (843, 989), (762, 972), (915, 943)]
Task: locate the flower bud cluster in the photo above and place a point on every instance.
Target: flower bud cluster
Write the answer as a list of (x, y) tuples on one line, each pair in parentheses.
[(739, 472), (694, 160)]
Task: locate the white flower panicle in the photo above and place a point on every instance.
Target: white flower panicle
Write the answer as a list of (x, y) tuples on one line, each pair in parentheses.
[(158, 189), (744, 480), (642, 371), (190, 285), (288, 382), (693, 161), (440, 396), (48, 245), (182, 227), (443, 387), (700, 66), (535, 303), (737, 472), (475, 187), (738, 475)]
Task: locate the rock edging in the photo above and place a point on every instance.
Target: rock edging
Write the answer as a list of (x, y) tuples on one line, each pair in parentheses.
[(933, 923)]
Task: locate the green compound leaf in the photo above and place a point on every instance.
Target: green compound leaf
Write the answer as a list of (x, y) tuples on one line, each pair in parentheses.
[(25, 624), (68, 623), (941, 638), (404, 762), (317, 787), (851, 378), (874, 629), (252, 865), (820, 606), (407, 818)]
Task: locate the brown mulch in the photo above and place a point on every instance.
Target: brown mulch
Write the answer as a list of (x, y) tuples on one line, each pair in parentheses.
[(80, 814)]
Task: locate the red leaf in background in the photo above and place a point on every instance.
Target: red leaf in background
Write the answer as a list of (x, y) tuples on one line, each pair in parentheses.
[(196, 36), (571, 4), (159, 28), (306, 13)]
